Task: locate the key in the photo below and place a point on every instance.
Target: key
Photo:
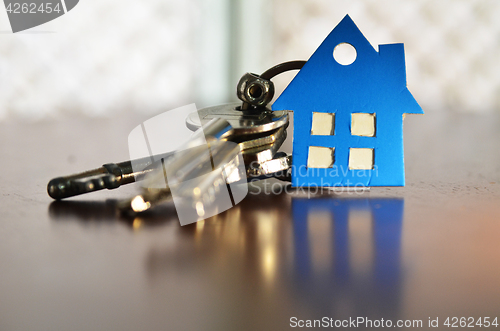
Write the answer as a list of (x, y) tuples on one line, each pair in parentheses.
[(276, 168), (110, 176), (205, 190), (251, 129)]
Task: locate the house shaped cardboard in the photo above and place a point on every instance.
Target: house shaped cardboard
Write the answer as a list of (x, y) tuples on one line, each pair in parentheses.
[(348, 119)]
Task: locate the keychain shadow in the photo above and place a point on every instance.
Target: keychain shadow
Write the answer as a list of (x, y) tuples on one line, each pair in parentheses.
[(339, 255), (91, 212)]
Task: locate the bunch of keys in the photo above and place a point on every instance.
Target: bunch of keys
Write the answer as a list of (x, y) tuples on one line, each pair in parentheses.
[(240, 143)]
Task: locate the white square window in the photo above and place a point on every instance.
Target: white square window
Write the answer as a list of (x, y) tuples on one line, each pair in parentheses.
[(320, 157), (323, 124), (360, 158), (363, 124)]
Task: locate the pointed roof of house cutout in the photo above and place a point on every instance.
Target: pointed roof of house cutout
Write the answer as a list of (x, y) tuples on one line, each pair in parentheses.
[(374, 81)]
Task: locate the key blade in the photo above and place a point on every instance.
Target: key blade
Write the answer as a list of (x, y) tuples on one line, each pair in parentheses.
[(204, 191), (205, 194)]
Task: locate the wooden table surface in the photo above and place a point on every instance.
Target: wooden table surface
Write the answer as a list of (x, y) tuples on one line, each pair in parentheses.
[(430, 249)]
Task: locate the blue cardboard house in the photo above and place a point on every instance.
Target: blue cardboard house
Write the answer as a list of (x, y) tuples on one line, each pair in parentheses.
[(348, 119)]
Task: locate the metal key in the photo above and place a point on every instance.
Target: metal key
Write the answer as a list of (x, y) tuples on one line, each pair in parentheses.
[(249, 118), (206, 189), (244, 129), (250, 129)]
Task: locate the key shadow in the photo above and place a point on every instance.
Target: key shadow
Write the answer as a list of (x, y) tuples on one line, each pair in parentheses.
[(88, 212), (338, 256)]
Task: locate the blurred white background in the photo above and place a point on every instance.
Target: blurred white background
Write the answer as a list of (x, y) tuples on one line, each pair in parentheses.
[(115, 57)]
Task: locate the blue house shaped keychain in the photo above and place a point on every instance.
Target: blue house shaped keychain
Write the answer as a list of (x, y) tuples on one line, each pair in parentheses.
[(348, 119)]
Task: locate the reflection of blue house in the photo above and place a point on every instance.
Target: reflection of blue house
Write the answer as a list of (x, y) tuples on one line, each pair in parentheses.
[(348, 119), (326, 238)]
